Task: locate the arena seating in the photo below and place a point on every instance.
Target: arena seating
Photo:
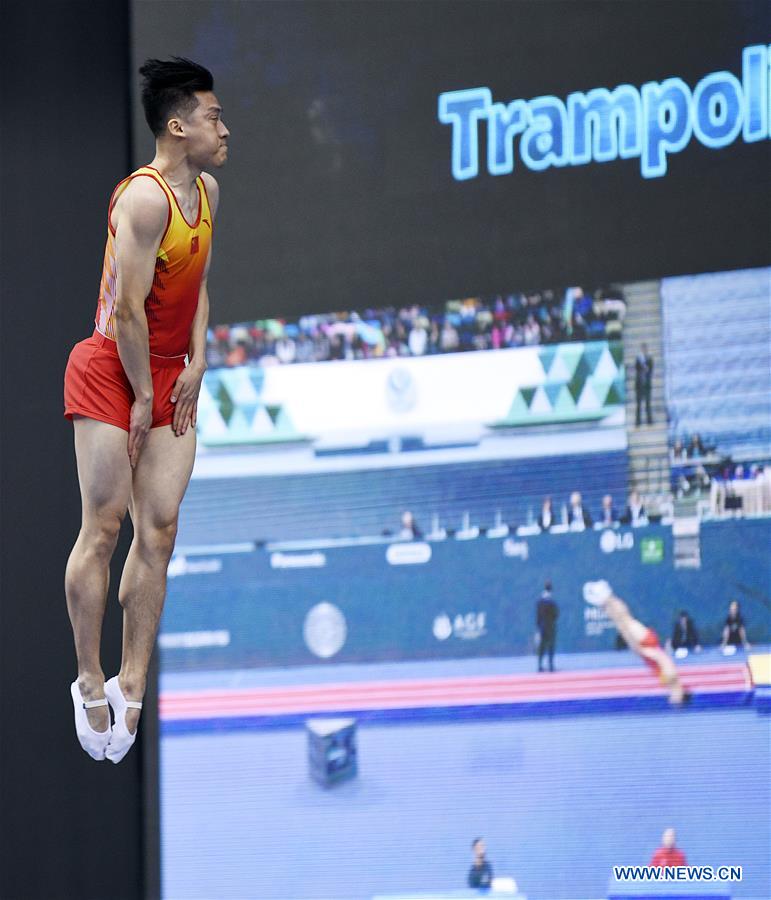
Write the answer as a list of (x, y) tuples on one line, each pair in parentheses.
[(717, 341), (345, 504)]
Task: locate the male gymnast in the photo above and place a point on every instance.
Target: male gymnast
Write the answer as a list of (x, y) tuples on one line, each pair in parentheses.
[(643, 640), (132, 396)]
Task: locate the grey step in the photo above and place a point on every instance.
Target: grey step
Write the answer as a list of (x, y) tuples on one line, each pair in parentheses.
[(657, 399), (644, 453), (646, 435), (659, 421), (650, 451), (634, 342), (650, 320), (642, 467), (654, 453), (658, 376)]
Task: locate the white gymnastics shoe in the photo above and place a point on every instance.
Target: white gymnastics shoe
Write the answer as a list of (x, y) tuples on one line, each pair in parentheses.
[(122, 739), (595, 592), (93, 742)]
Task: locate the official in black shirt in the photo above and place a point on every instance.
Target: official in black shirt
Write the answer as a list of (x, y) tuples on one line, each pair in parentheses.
[(481, 873), (684, 633), (546, 614), (734, 632)]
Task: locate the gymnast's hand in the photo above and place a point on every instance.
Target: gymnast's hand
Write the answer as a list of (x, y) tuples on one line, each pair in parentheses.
[(139, 426), (185, 396)]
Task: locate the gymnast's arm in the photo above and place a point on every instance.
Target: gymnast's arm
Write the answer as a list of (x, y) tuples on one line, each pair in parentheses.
[(141, 224)]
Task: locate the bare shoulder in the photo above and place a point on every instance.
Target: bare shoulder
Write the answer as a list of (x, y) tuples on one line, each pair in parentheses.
[(212, 189), (144, 207)]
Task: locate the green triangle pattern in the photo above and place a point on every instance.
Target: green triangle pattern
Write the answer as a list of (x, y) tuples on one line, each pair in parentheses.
[(230, 410), (605, 367), (592, 354), (519, 408), (582, 381), (564, 405), (540, 404), (559, 372), (546, 357), (225, 403), (617, 393), (283, 422), (570, 354), (617, 352), (588, 401), (527, 395), (601, 387), (553, 391)]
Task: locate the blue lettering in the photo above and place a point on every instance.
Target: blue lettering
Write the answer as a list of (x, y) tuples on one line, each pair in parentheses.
[(503, 123), (755, 77), (717, 109), (609, 115), (462, 110), (667, 123), (602, 125), (543, 144)]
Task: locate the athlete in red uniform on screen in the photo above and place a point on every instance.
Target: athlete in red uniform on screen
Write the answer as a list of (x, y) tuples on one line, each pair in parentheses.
[(132, 396), (643, 640)]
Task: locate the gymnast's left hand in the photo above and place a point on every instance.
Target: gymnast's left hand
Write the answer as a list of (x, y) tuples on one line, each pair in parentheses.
[(185, 397)]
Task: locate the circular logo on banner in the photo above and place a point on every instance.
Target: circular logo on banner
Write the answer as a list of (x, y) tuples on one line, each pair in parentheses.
[(442, 627), (401, 390), (325, 630)]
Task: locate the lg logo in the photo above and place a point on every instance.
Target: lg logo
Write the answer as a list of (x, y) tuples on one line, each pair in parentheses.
[(610, 541)]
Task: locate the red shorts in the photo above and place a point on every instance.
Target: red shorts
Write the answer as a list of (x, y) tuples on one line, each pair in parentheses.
[(96, 386), (651, 640)]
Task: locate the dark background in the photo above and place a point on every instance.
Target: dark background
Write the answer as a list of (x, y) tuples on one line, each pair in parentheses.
[(69, 827), (369, 215), (338, 192)]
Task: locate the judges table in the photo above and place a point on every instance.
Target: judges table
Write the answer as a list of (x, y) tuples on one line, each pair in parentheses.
[(669, 890)]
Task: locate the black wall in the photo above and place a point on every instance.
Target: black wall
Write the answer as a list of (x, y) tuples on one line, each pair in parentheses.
[(71, 827), (338, 192)]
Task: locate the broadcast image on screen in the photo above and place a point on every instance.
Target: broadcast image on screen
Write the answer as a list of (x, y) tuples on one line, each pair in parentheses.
[(471, 589), (360, 669)]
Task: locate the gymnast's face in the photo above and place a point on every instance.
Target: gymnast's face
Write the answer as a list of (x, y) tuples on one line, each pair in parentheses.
[(204, 131)]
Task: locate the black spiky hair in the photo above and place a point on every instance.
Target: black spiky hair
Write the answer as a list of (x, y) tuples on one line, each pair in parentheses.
[(169, 86)]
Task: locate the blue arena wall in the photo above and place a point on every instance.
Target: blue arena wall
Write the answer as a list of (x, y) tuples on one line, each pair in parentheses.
[(466, 599)]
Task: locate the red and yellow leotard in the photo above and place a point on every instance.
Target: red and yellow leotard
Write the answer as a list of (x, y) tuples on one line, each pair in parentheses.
[(173, 299), (95, 384), (651, 642)]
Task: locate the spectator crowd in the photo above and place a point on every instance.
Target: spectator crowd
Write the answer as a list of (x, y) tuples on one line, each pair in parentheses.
[(697, 464), (476, 323)]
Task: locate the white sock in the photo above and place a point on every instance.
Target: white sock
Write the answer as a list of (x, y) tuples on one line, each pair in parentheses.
[(93, 742), (122, 739)]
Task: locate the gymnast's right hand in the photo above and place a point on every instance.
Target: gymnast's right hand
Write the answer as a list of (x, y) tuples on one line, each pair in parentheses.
[(139, 426)]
